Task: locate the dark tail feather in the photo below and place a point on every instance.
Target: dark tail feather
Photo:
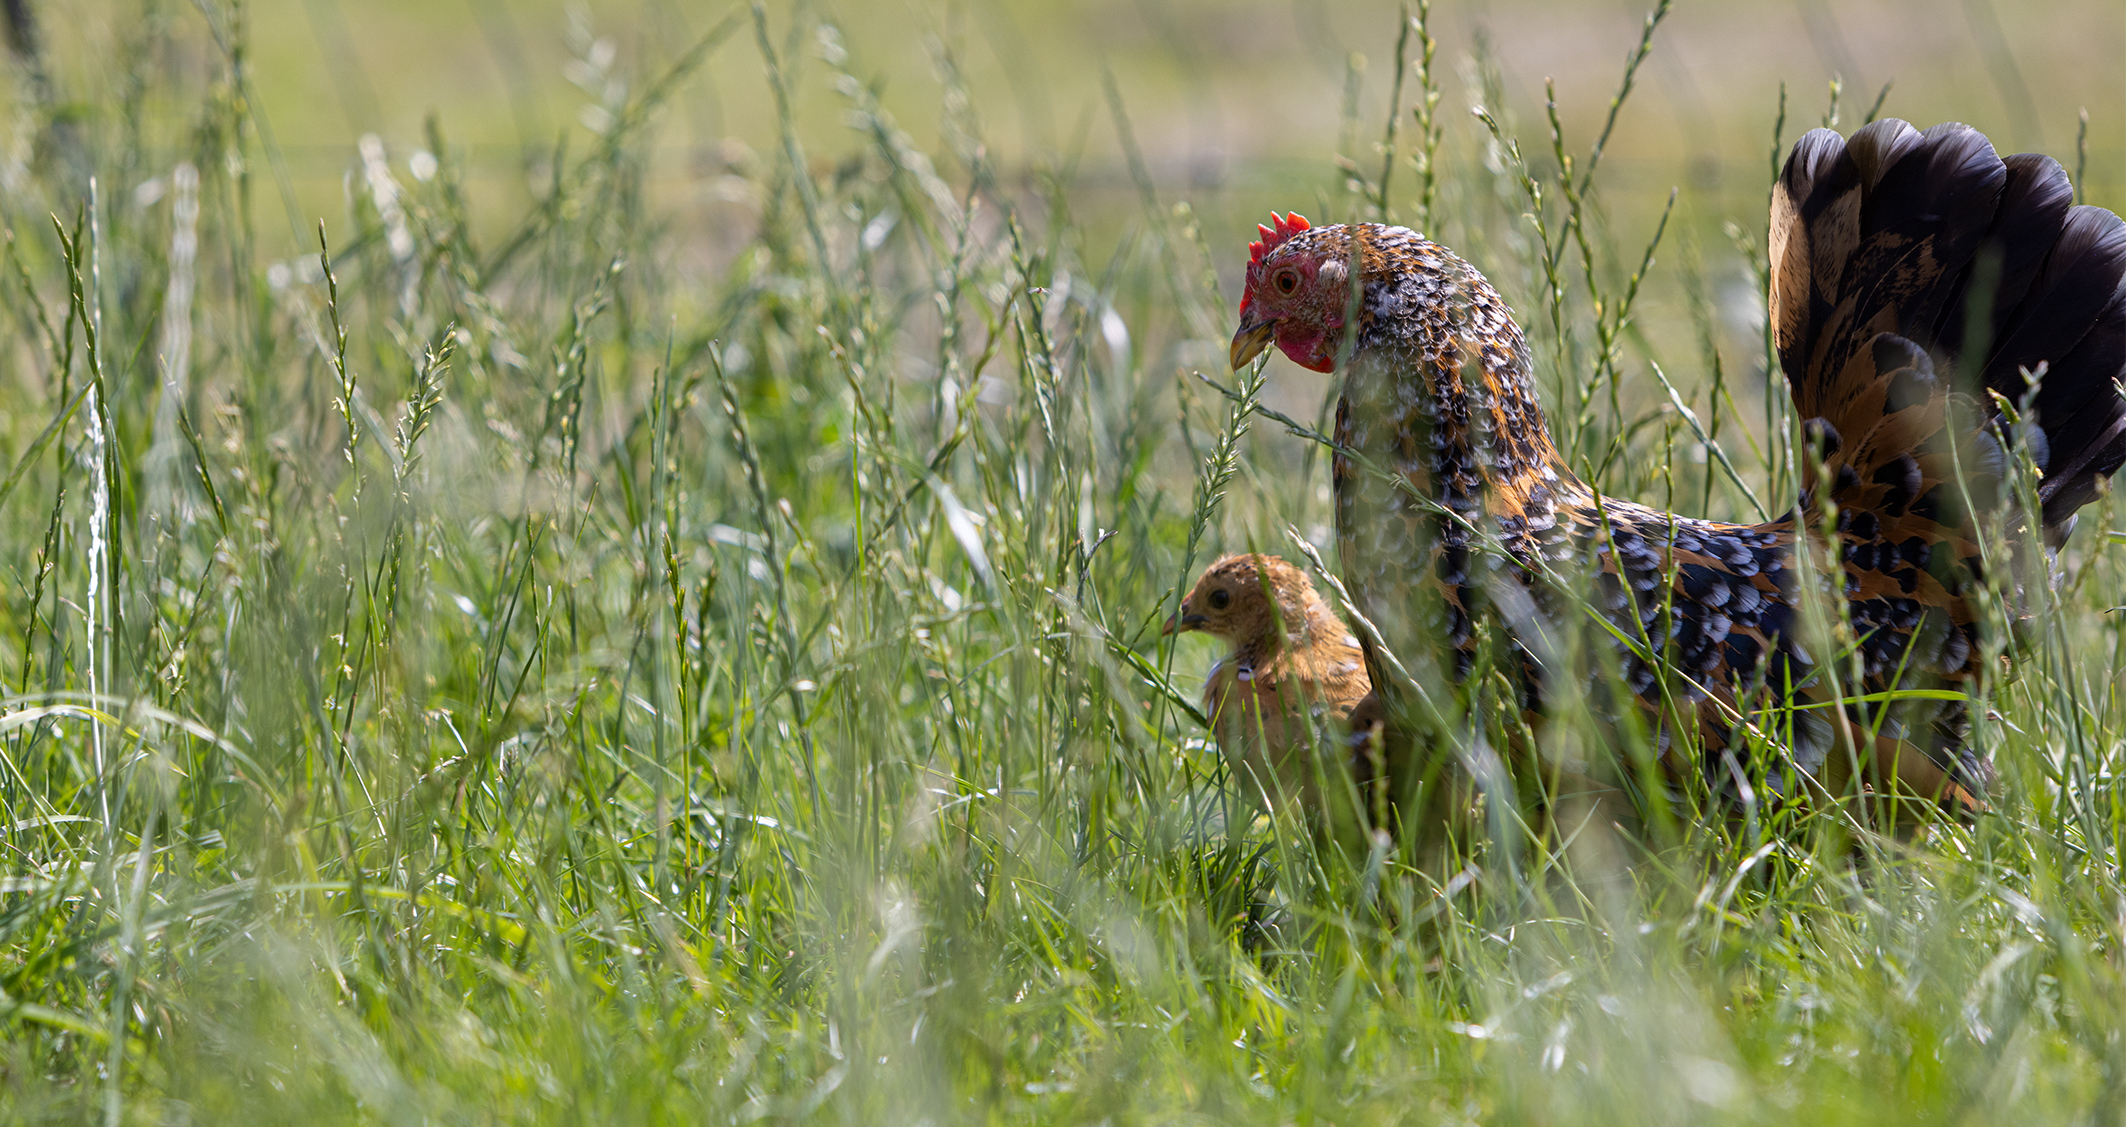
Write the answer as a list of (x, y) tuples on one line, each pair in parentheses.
[(2033, 208), (2079, 406), (1910, 233)]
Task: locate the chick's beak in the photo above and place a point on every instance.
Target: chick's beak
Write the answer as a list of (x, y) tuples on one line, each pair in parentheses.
[(1181, 622), (1252, 337)]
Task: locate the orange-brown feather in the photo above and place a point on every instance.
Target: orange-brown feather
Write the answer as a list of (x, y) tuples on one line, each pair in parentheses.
[(1290, 676)]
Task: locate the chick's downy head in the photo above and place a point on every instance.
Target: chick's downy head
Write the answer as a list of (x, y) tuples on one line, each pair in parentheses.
[(1248, 600)]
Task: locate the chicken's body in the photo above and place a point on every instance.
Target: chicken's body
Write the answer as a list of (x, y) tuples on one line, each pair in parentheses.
[(1452, 503), (1287, 683)]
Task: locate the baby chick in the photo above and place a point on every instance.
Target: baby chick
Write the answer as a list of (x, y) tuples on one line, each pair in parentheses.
[(1292, 670)]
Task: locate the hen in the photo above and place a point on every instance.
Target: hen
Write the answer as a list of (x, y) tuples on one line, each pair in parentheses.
[(1288, 682), (1917, 280)]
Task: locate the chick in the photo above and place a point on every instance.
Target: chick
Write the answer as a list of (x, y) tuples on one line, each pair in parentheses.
[(1293, 673)]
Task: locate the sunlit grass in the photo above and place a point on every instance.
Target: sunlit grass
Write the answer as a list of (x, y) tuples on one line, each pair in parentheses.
[(517, 687)]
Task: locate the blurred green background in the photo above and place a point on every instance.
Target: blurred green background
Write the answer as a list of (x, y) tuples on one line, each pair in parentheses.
[(1237, 106)]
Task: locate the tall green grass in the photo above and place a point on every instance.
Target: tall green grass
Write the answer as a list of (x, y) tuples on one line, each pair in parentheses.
[(507, 679)]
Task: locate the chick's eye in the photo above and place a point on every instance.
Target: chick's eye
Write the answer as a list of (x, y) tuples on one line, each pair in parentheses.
[(1219, 599), (1286, 281)]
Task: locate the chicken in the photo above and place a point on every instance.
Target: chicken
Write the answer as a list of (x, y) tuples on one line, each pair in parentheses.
[(1291, 676), (1457, 518)]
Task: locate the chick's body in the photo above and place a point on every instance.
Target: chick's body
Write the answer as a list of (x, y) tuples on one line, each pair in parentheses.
[(1289, 680)]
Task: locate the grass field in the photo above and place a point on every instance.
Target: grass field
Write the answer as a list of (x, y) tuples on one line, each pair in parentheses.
[(558, 660)]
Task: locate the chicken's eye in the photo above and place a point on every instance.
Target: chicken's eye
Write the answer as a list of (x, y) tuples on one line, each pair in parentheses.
[(1286, 281), (1219, 599)]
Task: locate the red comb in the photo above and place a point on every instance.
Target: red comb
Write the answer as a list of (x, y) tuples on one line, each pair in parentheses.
[(1287, 226)]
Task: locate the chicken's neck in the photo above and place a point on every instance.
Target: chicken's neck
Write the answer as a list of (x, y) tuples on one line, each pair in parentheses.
[(1439, 394)]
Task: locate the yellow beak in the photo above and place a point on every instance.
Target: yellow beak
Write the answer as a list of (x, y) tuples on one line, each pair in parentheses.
[(1250, 340)]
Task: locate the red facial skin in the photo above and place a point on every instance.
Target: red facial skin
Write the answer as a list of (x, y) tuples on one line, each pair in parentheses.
[(1298, 295)]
